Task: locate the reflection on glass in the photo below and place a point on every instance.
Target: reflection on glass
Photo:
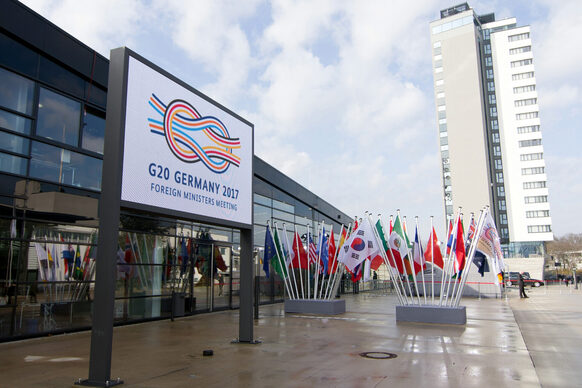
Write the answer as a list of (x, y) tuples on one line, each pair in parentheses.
[(64, 166), (58, 117), (13, 143), (61, 78), (14, 122), (16, 92), (262, 214), (17, 56), (93, 132), (12, 164)]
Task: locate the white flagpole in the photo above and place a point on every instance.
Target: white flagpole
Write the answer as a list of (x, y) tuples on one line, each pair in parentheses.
[(466, 265), (283, 267), (393, 278), (404, 265), (445, 262), (290, 267), (431, 237), (331, 262), (299, 261), (316, 274), (411, 262), (395, 271), (451, 263), (385, 258), (308, 266), (457, 281), (320, 293), (421, 258), (471, 255), (339, 272), (336, 256)]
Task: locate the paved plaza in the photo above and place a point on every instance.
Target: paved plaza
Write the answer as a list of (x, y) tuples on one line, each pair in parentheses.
[(506, 342)]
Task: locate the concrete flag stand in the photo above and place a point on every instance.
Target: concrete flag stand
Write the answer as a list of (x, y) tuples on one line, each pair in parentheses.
[(315, 306), (432, 314)]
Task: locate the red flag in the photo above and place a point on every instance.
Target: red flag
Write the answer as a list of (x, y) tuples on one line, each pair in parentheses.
[(391, 226), (460, 248), (434, 255), (300, 259), (331, 248), (377, 261)]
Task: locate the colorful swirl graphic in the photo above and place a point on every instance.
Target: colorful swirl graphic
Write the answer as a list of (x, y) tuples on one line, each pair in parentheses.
[(181, 121)]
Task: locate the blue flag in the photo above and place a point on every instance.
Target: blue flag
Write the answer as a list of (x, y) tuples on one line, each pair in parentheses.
[(323, 249), (270, 251), (481, 262)]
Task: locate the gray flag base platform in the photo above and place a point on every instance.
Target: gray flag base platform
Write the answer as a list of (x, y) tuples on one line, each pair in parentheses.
[(432, 314), (315, 306)]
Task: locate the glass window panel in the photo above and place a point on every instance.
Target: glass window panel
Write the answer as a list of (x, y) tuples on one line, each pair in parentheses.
[(17, 56), (58, 117), (262, 215), (13, 143), (283, 215), (15, 123), (16, 92), (261, 199), (12, 164), (61, 78), (64, 166), (283, 206), (93, 131), (96, 95)]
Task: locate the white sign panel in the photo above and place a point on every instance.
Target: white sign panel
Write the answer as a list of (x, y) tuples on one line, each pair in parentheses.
[(182, 152)]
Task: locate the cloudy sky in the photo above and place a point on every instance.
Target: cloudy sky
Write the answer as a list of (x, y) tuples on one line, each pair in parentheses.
[(341, 92)]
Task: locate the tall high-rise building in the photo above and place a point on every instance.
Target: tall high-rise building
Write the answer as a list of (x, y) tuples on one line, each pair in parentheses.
[(489, 126)]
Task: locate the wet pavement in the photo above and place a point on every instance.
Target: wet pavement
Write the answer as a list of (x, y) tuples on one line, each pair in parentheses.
[(506, 342)]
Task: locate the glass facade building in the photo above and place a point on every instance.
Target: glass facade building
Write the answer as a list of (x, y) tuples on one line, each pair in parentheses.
[(53, 92)]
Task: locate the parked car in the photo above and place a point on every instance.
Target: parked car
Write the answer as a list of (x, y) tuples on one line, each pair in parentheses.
[(512, 279)]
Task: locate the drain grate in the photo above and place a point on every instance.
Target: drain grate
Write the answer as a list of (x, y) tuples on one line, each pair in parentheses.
[(378, 355)]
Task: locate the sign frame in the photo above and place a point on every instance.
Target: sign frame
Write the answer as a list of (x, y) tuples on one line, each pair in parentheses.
[(110, 206)]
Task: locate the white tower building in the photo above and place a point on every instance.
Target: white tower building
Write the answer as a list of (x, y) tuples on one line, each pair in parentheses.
[(489, 126)]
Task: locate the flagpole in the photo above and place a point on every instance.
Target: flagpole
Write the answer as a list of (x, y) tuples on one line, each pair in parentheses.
[(339, 272), (308, 266), (404, 265), (431, 237), (466, 264), (335, 263), (471, 255), (319, 295), (316, 274), (295, 237), (407, 240), (445, 262), (395, 271), (395, 279), (283, 268), (421, 258), (385, 258), (459, 271), (332, 261), (291, 269), (450, 264)]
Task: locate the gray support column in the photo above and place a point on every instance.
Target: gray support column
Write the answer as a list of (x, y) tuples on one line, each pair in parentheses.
[(106, 271), (245, 326)]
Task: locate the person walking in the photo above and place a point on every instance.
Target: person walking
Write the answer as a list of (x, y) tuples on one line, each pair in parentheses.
[(521, 286)]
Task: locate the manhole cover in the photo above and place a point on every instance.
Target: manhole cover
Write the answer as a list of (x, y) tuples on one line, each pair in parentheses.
[(378, 355)]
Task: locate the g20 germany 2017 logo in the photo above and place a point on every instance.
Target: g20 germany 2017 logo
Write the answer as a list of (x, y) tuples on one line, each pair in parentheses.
[(192, 137)]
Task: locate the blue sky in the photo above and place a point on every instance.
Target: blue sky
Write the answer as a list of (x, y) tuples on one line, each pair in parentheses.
[(341, 92)]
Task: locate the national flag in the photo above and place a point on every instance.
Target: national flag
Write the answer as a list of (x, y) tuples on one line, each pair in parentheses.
[(489, 245), (289, 253), (51, 261), (269, 252), (336, 257), (361, 245), (480, 260), (218, 260), (433, 251), (391, 225), (459, 248), (323, 252), (300, 256), (278, 259), (399, 251), (403, 248), (331, 249), (90, 253), (386, 245), (312, 249), (78, 272), (450, 237), (417, 254), (69, 260)]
